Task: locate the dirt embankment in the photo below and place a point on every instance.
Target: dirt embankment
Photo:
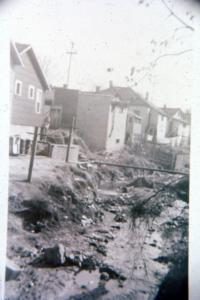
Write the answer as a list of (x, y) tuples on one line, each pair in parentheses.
[(93, 232)]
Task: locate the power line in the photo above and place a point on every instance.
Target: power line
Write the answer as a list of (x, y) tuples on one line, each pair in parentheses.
[(71, 52)]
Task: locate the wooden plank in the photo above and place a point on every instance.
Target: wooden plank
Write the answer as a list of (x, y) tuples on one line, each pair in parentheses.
[(139, 168)]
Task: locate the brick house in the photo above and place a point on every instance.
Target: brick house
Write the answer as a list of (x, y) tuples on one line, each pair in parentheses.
[(101, 121), (28, 85)]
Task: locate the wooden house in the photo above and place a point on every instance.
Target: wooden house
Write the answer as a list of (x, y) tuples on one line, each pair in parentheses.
[(153, 120), (101, 121), (28, 85), (178, 131)]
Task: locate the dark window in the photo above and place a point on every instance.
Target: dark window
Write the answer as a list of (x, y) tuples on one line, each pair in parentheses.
[(18, 87), (31, 92), (117, 141), (38, 107), (48, 102)]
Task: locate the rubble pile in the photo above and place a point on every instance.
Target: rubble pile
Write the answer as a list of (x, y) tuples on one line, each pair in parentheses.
[(119, 227)]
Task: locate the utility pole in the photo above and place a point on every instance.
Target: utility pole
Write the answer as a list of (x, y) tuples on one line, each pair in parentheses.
[(71, 52)]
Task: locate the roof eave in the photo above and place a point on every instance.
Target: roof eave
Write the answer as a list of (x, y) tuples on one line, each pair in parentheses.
[(17, 55), (37, 65)]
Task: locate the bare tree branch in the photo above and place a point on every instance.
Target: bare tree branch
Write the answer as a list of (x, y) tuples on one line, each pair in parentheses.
[(153, 64), (177, 17)]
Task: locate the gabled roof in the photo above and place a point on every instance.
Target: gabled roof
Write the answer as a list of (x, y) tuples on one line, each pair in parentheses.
[(171, 111), (131, 113), (127, 94), (14, 55), (20, 49)]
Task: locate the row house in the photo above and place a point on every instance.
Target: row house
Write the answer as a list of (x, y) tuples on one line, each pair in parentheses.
[(28, 86), (106, 119), (101, 121), (178, 131), (100, 118), (153, 121)]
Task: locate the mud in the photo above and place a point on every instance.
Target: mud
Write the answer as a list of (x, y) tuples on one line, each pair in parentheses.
[(115, 257)]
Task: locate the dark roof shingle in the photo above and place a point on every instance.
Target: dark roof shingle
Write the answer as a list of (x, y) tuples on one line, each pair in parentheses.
[(127, 94)]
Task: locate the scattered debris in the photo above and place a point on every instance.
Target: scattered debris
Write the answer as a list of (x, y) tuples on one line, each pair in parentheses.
[(104, 276), (56, 191), (55, 256), (182, 188), (70, 207), (116, 227), (91, 295), (12, 270), (102, 249), (38, 214), (121, 218), (141, 182), (113, 273)]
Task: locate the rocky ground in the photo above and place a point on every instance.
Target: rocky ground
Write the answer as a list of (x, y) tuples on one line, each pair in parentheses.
[(91, 232)]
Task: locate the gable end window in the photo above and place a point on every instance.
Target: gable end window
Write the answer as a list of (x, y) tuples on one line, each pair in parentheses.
[(31, 92), (18, 87)]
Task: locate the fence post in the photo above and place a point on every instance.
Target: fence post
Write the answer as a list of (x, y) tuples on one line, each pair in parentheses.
[(70, 139), (33, 150)]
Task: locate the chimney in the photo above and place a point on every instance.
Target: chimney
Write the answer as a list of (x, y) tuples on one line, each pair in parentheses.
[(98, 89), (110, 84), (65, 86), (164, 106), (147, 96)]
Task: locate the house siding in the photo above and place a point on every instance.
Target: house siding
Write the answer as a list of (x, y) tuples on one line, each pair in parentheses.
[(23, 108), (178, 131), (161, 129), (133, 129), (116, 128), (92, 119), (143, 112)]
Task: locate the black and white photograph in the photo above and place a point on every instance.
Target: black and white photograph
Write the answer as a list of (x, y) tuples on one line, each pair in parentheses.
[(97, 132)]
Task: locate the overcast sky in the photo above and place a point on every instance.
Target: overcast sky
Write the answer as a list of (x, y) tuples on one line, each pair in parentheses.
[(115, 36)]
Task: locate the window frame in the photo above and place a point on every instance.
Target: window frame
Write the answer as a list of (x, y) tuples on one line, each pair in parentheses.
[(20, 91), (29, 94), (117, 141)]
